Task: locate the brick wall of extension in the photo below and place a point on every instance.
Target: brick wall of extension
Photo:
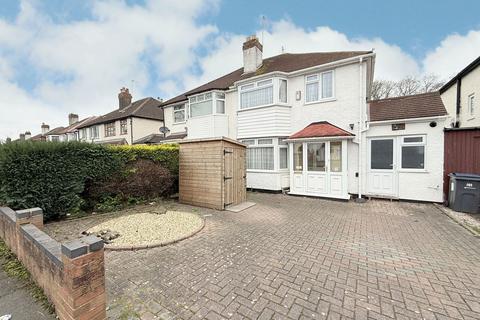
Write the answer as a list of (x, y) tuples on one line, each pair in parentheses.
[(72, 275)]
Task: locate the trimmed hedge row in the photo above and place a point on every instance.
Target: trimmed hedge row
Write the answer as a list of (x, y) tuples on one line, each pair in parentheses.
[(55, 175)]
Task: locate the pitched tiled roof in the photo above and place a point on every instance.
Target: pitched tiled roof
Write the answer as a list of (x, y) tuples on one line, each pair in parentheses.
[(408, 107), (55, 131), (158, 138), (286, 62), (78, 124), (319, 130), (144, 108)]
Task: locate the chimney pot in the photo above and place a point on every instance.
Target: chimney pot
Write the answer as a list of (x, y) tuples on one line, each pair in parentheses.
[(72, 118), (28, 135), (124, 98), (252, 54), (22, 136)]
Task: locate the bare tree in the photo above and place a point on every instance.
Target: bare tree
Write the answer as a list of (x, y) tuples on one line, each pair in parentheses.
[(382, 89)]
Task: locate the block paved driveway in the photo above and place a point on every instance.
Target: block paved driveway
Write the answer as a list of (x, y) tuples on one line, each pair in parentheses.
[(300, 258)]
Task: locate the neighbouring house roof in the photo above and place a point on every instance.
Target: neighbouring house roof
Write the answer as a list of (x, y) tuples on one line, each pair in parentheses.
[(119, 141), (55, 131), (286, 62), (319, 130), (75, 126), (472, 66), (38, 137), (408, 107), (159, 138), (144, 108)]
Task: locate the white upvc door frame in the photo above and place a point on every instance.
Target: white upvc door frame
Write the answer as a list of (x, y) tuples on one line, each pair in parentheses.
[(319, 183), (383, 182)]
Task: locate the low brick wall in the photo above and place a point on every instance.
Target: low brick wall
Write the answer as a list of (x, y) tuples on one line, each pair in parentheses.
[(72, 275)]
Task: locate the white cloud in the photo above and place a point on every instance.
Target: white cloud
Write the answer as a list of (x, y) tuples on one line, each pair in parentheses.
[(453, 54), (79, 66)]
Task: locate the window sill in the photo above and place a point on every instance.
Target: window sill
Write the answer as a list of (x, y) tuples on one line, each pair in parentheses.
[(413, 171), (266, 106), (181, 122), (260, 171), (320, 101)]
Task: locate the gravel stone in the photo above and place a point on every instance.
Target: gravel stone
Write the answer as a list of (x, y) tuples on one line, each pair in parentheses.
[(143, 229)]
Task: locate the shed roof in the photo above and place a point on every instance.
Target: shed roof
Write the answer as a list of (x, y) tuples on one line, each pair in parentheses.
[(158, 138), (319, 130), (408, 107)]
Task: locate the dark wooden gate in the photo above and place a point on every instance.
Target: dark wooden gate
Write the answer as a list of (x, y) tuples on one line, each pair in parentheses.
[(462, 153)]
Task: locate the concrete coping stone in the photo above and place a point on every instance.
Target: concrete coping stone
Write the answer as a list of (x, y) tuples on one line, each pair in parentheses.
[(74, 249), (27, 213), (9, 213), (79, 247), (42, 240)]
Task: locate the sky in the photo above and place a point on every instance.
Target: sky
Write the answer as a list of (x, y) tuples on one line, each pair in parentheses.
[(59, 57)]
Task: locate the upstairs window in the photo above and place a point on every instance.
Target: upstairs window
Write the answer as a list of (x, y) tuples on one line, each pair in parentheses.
[(110, 129), (282, 91), (319, 86), (179, 114), (220, 102), (123, 126), (256, 94), (471, 104)]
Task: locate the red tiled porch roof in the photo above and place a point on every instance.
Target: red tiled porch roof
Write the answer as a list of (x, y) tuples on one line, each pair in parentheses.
[(319, 130)]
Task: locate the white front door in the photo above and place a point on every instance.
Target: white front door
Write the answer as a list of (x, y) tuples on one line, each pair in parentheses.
[(319, 169), (382, 167)]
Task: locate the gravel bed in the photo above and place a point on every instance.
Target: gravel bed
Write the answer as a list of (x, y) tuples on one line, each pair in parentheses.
[(148, 229)]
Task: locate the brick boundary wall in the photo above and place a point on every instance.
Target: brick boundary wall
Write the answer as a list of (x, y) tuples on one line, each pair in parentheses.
[(72, 275)]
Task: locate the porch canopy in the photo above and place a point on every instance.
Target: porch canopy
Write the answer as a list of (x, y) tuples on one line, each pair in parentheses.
[(321, 129)]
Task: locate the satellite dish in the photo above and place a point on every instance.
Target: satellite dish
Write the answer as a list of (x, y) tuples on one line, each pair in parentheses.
[(164, 130)]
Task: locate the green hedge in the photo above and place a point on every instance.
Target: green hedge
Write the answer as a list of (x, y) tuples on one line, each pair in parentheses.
[(53, 175)]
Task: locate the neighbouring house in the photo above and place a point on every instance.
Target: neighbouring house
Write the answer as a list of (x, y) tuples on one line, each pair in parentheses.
[(309, 126), (132, 121), (42, 135), (462, 138), (460, 96), (69, 133)]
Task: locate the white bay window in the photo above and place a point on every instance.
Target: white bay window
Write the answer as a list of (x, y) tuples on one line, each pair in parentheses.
[(266, 154), (179, 114), (206, 104), (256, 94)]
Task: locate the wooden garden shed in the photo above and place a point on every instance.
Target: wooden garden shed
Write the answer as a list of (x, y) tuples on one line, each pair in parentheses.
[(212, 172)]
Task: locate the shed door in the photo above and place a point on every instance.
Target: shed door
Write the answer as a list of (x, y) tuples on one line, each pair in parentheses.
[(228, 176)]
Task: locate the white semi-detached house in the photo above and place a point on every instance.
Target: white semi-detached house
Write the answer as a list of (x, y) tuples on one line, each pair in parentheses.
[(306, 119), (131, 123)]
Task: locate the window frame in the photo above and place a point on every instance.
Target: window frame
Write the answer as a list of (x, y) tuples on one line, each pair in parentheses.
[(471, 104), (207, 96), (123, 125), (319, 80), (182, 108), (254, 86), (96, 130), (423, 144), (107, 128)]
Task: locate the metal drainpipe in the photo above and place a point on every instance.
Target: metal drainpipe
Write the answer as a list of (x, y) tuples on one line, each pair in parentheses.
[(360, 124)]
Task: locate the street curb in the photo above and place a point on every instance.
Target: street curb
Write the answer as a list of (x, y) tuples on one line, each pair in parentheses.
[(109, 247), (458, 221)]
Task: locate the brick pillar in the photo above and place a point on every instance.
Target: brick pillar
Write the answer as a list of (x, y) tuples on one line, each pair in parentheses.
[(82, 295), (33, 216)]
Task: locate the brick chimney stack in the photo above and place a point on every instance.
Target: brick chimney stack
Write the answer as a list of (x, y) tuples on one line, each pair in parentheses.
[(72, 118), (28, 135), (252, 54), (45, 128), (124, 98)]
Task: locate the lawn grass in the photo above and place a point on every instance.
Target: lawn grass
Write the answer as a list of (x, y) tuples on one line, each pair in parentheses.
[(15, 269)]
